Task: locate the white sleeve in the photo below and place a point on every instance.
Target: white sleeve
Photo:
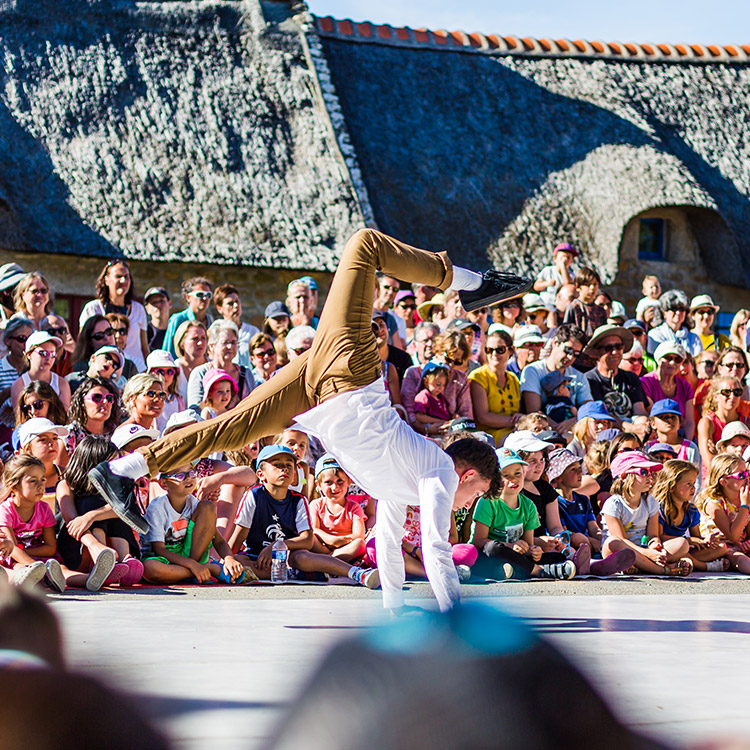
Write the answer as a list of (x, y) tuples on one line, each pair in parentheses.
[(137, 317), (246, 511), (302, 520), (94, 307)]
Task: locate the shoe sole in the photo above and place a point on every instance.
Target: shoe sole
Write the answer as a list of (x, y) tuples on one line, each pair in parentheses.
[(30, 575), (582, 560), (617, 562), (115, 502), (54, 576), (372, 580), (493, 298), (103, 566)]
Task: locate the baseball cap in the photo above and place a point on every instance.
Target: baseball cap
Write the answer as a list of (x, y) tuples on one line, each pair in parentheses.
[(155, 290), (310, 281), (666, 406), (275, 450), (559, 460), (496, 327), (379, 315), (595, 410), (552, 436), (277, 309), (617, 310), (403, 294), (506, 457), (634, 323), (461, 424), (553, 380), (114, 351), (528, 334), (127, 433), (733, 430), (182, 418), (609, 434), (38, 338), (566, 247), (213, 376), (526, 440), (10, 275), (461, 324), (668, 347), (160, 358), (433, 366), (628, 462), (326, 461), (662, 448), (36, 426)]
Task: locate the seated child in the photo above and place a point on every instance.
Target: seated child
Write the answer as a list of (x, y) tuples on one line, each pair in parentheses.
[(535, 422), (651, 290), (503, 530), (182, 529), (666, 419), (298, 442), (270, 510), (559, 406), (430, 406), (338, 522), (577, 516)]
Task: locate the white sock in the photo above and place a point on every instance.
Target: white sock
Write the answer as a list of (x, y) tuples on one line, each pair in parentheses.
[(353, 573), (133, 466), (465, 279)]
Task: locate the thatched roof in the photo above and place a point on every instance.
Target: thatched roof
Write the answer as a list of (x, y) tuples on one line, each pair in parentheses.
[(503, 147), (167, 131)]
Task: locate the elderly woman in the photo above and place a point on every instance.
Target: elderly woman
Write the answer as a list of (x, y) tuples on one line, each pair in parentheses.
[(94, 410), (15, 335), (451, 349), (191, 344), (222, 350), (675, 306), (32, 298), (143, 399), (41, 350), (665, 382), (703, 311), (496, 392)]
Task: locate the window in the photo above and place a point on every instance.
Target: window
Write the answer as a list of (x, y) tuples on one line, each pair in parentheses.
[(652, 239)]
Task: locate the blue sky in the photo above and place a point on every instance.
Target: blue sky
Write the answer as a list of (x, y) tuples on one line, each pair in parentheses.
[(690, 21)]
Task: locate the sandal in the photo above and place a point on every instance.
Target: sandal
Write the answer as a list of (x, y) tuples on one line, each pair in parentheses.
[(683, 567)]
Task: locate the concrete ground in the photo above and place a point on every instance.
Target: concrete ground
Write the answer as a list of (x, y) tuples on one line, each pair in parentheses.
[(216, 666)]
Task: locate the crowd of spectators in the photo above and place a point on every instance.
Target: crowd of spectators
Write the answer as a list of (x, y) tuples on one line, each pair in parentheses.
[(621, 441)]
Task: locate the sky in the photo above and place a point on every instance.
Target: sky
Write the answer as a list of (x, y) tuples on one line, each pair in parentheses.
[(673, 21)]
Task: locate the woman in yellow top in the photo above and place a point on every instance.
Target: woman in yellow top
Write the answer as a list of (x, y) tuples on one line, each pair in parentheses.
[(703, 312), (495, 392)]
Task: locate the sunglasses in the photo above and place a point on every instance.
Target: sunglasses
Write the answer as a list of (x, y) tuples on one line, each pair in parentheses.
[(265, 353), (406, 307), (704, 312), (181, 476), (62, 331), (300, 350), (673, 359), (733, 365), (161, 395), (642, 471), (634, 359), (43, 353), (167, 371), (499, 350), (454, 362), (201, 295), (570, 351), (33, 406), (114, 362), (101, 335), (740, 475), (97, 398), (21, 339), (612, 348), (727, 392), (120, 331)]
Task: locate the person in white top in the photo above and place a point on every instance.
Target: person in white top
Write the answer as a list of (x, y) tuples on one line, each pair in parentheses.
[(353, 417), (41, 350), (229, 306), (115, 293)]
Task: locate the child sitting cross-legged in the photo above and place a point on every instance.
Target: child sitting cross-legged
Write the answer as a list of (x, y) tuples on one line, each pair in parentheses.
[(270, 510), (503, 529), (182, 529), (565, 474)]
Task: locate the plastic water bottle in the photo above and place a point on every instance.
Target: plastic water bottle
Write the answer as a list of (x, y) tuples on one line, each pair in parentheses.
[(279, 555)]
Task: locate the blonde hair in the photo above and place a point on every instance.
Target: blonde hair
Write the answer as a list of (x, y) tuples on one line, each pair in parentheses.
[(15, 470), (741, 317), (596, 457), (651, 277), (666, 481), (22, 288), (624, 486), (710, 403), (137, 385), (536, 422), (581, 431), (721, 466)]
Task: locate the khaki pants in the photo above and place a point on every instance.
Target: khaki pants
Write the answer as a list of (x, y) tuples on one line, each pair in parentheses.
[(343, 357)]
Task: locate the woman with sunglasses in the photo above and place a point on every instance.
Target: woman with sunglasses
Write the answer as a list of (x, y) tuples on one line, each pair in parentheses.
[(94, 410), (675, 306), (665, 382), (724, 503), (738, 329), (115, 293), (38, 399), (15, 335), (95, 333), (723, 405), (143, 398), (731, 363), (496, 392), (41, 350), (55, 325), (703, 313), (162, 364), (32, 298), (509, 313)]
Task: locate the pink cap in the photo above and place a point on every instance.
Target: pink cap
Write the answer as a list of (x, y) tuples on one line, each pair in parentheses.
[(213, 376), (628, 462)]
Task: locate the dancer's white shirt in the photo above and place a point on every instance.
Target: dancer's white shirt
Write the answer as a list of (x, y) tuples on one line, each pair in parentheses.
[(399, 467)]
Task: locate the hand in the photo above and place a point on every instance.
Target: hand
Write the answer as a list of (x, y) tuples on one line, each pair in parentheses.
[(745, 495), (515, 418), (206, 486), (536, 552), (202, 573), (655, 543), (655, 555), (562, 261), (744, 546), (714, 540), (6, 547), (232, 568), (264, 558), (78, 526), (521, 546)]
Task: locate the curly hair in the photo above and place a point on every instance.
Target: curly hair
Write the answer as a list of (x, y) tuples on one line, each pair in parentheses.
[(451, 343), (101, 288), (77, 410)]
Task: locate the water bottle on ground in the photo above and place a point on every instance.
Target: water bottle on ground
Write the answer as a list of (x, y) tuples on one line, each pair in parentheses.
[(279, 555)]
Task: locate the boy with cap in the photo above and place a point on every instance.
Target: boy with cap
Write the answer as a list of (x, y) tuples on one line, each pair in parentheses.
[(270, 510), (559, 407), (336, 391), (665, 420), (158, 306)]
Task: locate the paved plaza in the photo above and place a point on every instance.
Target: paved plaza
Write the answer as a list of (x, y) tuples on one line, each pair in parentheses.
[(215, 666)]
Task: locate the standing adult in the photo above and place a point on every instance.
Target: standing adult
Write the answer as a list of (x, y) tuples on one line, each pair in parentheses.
[(115, 293), (229, 305), (96, 333), (32, 298), (675, 306), (620, 390), (158, 306), (405, 307), (703, 312), (563, 299), (197, 292), (299, 301)]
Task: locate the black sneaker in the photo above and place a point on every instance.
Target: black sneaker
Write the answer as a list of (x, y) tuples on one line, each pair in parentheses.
[(496, 286), (119, 492)]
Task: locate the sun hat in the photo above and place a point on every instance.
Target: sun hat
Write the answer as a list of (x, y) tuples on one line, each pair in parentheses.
[(114, 351), (10, 275), (36, 426), (274, 450), (553, 380), (559, 460), (534, 302), (703, 300), (182, 418), (38, 338), (609, 434), (595, 410), (526, 440), (213, 376), (661, 448), (552, 436), (666, 406), (437, 301), (127, 433), (733, 430), (326, 461), (461, 324), (567, 248), (404, 294), (669, 347), (602, 332), (277, 309), (528, 334), (155, 290), (628, 462), (160, 358), (506, 457), (617, 310)]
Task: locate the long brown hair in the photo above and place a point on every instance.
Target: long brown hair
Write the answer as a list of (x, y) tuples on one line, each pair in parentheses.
[(15, 470), (102, 290), (55, 413), (667, 479), (721, 466)]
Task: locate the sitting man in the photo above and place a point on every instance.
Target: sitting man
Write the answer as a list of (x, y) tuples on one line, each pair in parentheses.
[(336, 392)]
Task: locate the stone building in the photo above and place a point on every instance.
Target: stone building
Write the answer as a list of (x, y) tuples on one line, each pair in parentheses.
[(246, 139)]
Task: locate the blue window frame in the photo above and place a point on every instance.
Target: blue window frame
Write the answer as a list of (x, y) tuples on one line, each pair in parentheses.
[(652, 235)]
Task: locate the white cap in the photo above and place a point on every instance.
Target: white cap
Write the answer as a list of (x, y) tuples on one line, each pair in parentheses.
[(182, 418), (669, 347), (528, 334), (40, 337), (160, 358), (496, 327), (127, 433), (617, 310), (526, 440), (35, 427), (114, 351)]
